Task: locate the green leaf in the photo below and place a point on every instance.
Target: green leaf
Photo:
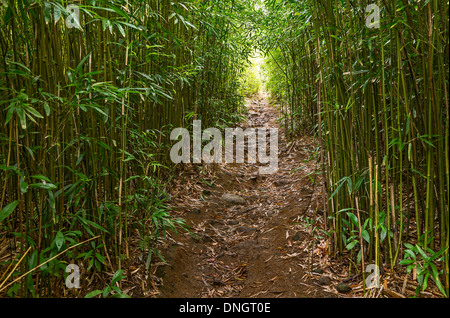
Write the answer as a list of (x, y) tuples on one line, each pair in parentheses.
[(100, 257), (409, 246), (367, 223), (425, 281), (418, 172), (21, 114), (57, 12), (117, 276), (342, 181), (59, 240), (434, 269), (23, 187), (421, 252), (9, 115), (409, 268), (106, 291), (13, 290), (93, 293), (47, 11), (353, 218), (411, 254), (426, 141), (45, 186), (116, 289), (351, 245), (7, 210), (435, 276), (93, 224), (438, 254), (32, 261), (121, 29), (366, 236), (98, 265), (79, 66), (406, 261), (47, 109), (42, 177), (359, 182), (34, 112), (383, 233)]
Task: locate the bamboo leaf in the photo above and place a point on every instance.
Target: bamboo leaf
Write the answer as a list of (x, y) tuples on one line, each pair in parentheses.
[(422, 253), (41, 177), (366, 236), (117, 276), (351, 245), (353, 218), (7, 210), (341, 183), (47, 109), (93, 293), (59, 240), (47, 11), (406, 262), (44, 186), (57, 10), (21, 114)]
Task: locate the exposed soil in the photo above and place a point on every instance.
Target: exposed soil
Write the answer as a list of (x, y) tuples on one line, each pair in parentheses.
[(270, 246)]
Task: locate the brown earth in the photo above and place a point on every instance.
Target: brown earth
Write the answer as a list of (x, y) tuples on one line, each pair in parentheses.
[(270, 246)]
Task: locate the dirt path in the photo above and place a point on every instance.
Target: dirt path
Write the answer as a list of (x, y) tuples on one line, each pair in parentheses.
[(267, 247)]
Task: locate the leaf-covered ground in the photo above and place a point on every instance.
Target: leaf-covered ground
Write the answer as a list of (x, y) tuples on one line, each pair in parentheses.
[(270, 246)]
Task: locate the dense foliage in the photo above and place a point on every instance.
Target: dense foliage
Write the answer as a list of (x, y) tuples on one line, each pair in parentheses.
[(377, 98), (87, 102)]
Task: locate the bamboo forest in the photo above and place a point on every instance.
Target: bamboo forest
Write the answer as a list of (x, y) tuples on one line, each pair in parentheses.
[(116, 117)]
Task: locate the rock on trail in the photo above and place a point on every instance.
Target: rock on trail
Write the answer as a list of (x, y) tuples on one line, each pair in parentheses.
[(233, 198)]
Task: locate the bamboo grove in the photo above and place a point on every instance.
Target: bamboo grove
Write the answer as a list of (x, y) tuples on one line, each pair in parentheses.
[(90, 90), (86, 107), (377, 99)]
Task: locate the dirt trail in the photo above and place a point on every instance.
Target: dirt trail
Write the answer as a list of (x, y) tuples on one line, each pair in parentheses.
[(267, 247)]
